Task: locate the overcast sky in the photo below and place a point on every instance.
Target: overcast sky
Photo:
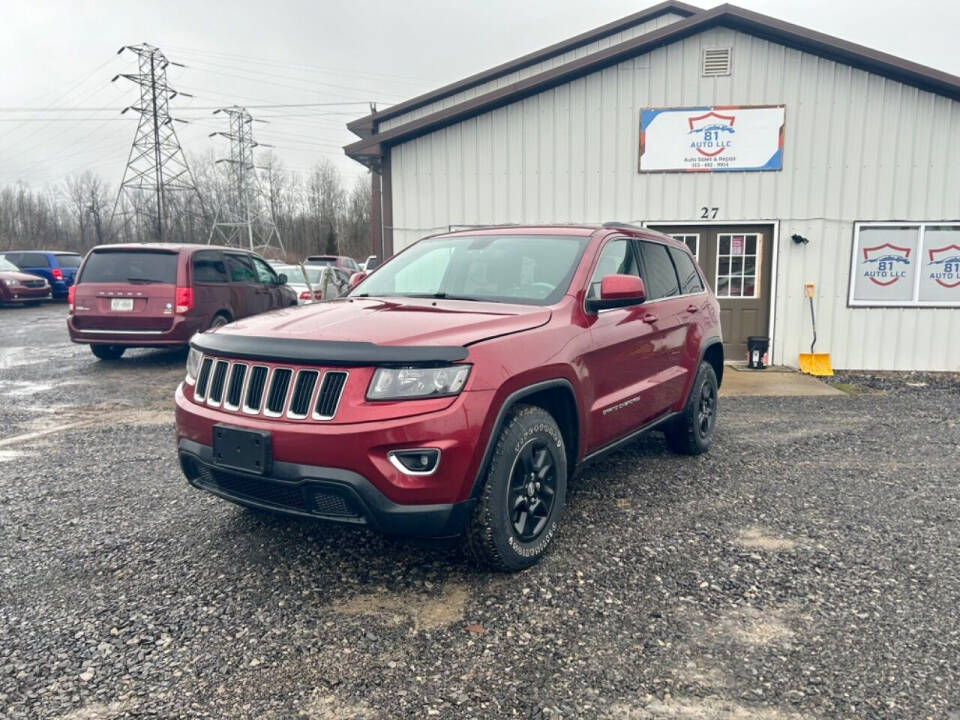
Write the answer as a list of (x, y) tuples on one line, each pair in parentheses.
[(59, 55)]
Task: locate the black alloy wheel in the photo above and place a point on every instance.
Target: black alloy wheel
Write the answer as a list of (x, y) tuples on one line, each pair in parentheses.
[(707, 410), (533, 487)]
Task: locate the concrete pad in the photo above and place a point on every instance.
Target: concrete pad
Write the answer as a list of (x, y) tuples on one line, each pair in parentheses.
[(739, 382)]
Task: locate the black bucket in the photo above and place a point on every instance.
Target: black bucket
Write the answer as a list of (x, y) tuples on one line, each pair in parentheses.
[(757, 349)]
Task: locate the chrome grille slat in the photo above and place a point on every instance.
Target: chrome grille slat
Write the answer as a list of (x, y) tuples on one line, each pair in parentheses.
[(255, 387), (217, 381), (237, 380), (328, 398), (302, 394), (277, 394), (203, 379)]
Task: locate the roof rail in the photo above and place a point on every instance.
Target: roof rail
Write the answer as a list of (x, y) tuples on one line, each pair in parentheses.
[(618, 224)]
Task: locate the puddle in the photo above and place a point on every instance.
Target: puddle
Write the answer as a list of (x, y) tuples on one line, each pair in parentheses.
[(18, 389), (11, 357)]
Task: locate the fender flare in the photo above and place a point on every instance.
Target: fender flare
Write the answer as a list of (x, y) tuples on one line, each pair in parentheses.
[(707, 344), (512, 399)]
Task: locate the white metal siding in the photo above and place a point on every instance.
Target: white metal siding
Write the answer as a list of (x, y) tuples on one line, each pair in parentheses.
[(509, 79), (857, 147)]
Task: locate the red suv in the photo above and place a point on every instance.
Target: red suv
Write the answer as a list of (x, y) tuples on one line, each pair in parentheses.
[(455, 390), (159, 295)]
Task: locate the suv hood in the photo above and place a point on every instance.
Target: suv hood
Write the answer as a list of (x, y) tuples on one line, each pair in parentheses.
[(393, 321)]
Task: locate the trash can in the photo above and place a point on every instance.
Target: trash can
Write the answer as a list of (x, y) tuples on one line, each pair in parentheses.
[(757, 348)]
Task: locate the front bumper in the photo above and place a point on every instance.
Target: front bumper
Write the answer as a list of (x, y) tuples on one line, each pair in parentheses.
[(18, 294), (179, 333), (320, 492)]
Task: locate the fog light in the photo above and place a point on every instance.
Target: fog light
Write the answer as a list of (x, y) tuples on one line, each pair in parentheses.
[(417, 461)]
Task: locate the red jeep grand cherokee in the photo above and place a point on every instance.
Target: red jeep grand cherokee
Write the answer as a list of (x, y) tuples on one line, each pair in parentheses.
[(456, 389), (160, 294)]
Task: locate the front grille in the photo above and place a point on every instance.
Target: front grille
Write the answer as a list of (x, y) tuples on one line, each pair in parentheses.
[(329, 396), (292, 393), (34, 283), (292, 496)]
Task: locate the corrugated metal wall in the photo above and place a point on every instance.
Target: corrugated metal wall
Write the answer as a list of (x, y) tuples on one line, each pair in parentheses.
[(857, 147), (509, 79)]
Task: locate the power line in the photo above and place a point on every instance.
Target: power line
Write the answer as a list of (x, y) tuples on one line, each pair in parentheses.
[(51, 108)]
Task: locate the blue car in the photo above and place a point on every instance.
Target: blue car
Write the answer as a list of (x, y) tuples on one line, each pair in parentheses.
[(59, 268)]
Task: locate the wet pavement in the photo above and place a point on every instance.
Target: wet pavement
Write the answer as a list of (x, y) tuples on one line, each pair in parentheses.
[(807, 567)]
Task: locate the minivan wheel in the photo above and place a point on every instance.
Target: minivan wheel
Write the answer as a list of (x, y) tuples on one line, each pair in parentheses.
[(523, 493), (108, 352), (219, 320), (692, 432)]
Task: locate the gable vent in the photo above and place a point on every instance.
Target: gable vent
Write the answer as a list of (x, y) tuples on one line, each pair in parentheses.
[(716, 61)]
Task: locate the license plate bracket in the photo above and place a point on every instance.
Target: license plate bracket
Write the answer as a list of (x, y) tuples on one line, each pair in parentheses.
[(239, 449), (121, 304)]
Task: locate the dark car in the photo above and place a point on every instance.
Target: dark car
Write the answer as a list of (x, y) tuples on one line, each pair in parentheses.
[(159, 295), (340, 261), (58, 268), (20, 287), (455, 390)]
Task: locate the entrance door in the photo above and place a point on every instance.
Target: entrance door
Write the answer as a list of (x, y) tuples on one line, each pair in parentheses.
[(737, 261)]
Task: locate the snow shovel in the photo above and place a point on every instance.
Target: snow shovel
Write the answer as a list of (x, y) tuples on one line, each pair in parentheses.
[(814, 363)]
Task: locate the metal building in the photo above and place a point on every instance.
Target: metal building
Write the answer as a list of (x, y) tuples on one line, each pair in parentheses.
[(781, 155)]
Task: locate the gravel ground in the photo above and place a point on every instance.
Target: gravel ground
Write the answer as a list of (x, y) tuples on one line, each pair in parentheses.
[(807, 567)]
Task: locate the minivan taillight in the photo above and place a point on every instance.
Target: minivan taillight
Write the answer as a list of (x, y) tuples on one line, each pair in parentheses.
[(184, 299), (57, 274), (71, 294)]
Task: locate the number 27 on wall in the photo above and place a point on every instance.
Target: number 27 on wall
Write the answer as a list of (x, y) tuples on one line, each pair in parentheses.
[(709, 213)]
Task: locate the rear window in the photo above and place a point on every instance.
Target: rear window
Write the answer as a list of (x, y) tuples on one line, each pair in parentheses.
[(69, 261), (136, 266), (321, 260)]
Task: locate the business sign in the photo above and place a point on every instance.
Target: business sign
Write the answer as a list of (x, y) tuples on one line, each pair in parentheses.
[(906, 264), (712, 139)]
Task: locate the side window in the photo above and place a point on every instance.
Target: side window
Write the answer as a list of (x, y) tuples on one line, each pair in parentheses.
[(265, 273), (240, 268), (208, 267), (33, 259), (616, 258), (690, 281), (13, 257), (659, 275)]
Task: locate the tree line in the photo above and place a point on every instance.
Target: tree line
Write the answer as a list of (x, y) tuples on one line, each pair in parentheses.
[(314, 212)]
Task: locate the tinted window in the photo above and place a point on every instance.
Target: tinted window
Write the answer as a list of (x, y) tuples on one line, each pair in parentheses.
[(616, 258), (122, 266), (317, 260), (7, 266), (690, 281), (265, 273), (32, 259), (68, 261), (240, 268), (12, 257), (659, 275), (209, 267)]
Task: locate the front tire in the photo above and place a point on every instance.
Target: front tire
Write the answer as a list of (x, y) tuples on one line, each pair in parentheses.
[(108, 352), (692, 432), (523, 493)]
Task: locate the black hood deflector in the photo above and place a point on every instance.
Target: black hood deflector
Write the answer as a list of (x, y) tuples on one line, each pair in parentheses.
[(324, 352)]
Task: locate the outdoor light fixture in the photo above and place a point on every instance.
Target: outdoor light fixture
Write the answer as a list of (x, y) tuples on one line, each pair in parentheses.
[(799, 239)]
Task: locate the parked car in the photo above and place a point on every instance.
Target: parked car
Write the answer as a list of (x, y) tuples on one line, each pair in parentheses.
[(20, 287), (159, 295), (57, 268), (455, 390), (313, 284), (341, 261), (370, 263)]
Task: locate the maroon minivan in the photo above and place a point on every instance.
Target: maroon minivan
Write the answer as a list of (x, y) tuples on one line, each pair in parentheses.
[(159, 295)]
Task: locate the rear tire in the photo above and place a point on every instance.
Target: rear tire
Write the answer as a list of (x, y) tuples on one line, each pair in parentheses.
[(523, 493), (108, 352), (692, 432), (219, 320)]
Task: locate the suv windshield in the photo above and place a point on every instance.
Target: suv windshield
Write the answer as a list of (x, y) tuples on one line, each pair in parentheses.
[(525, 269), (125, 266)]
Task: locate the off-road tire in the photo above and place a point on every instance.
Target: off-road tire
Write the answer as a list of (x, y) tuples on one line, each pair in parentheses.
[(108, 352), (491, 536), (692, 431)]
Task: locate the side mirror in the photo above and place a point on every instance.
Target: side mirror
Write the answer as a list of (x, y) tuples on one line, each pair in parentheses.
[(282, 279), (356, 279), (618, 291)]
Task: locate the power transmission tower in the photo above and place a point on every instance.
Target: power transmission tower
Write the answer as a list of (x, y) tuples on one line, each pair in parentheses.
[(245, 219), (156, 165)]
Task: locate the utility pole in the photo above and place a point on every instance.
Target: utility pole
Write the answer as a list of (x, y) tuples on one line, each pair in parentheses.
[(245, 219), (157, 164)]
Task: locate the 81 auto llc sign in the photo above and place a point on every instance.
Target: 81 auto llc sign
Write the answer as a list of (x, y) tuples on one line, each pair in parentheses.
[(712, 139)]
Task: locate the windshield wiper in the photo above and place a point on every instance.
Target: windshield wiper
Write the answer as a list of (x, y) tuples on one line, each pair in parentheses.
[(447, 296), (143, 280)]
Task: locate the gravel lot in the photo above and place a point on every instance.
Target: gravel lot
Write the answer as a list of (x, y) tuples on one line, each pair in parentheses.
[(807, 567)]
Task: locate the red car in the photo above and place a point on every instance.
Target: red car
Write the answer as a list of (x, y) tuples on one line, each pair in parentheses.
[(159, 295), (457, 389), (20, 287)]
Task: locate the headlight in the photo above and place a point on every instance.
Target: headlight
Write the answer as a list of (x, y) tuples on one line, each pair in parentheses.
[(193, 365), (405, 383)]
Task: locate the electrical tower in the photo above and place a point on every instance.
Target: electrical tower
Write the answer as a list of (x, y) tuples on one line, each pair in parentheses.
[(245, 219), (156, 166)]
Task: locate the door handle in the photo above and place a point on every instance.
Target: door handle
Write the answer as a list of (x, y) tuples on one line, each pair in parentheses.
[(650, 318), (692, 308)]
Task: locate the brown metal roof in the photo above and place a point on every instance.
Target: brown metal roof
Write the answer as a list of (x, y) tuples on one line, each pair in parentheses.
[(731, 16), (364, 126)]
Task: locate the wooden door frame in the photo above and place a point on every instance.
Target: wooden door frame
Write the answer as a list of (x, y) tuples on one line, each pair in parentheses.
[(774, 261)]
